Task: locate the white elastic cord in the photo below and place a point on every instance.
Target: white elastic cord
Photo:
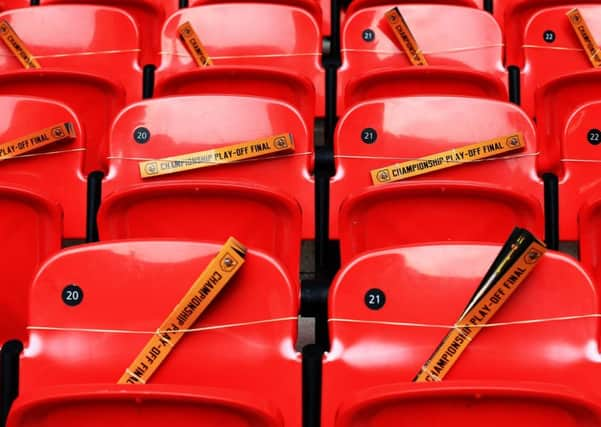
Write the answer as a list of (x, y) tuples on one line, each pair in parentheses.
[(48, 153), (155, 332), (487, 325), (580, 161), (64, 55), (274, 55), (432, 52), (514, 156), (533, 46), (275, 156)]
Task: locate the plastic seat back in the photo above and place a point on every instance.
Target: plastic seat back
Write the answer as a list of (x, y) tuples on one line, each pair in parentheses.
[(107, 43), (580, 165), (529, 370), (149, 15), (355, 5), (280, 85), (552, 49), (213, 374), (95, 85), (30, 231), (513, 17), (369, 45), (13, 4), (241, 34), (319, 9), (53, 171), (501, 190), (270, 188)]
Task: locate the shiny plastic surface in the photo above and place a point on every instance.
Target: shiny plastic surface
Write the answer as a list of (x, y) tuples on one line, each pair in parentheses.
[(580, 178), (201, 210), (355, 5), (513, 17), (13, 4), (589, 234), (107, 43), (531, 374), (319, 9), (241, 374), (422, 81), (180, 125), (30, 231), (149, 15), (545, 60), (556, 102), (54, 171), (412, 127), (95, 86), (477, 47), (434, 211), (285, 86), (280, 37)]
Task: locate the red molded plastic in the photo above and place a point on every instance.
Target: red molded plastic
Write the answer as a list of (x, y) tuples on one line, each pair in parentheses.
[(427, 81), (69, 376), (424, 212), (30, 232), (413, 127), (149, 16), (13, 4), (545, 61), (95, 86), (54, 172), (79, 38), (538, 373), (281, 37), (285, 86), (513, 17), (188, 124), (477, 47), (204, 210), (579, 180)]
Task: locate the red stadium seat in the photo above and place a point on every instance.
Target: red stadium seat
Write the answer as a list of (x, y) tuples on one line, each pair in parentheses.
[(13, 4), (242, 34), (422, 81), (481, 201), (242, 369), (544, 60), (476, 48), (297, 91), (319, 9), (96, 86), (580, 166), (260, 194), (556, 102), (356, 5), (54, 171), (513, 17), (106, 44), (30, 231), (589, 229), (533, 373), (149, 15)]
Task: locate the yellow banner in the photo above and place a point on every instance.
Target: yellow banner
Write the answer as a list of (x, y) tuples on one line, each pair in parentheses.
[(447, 159), (585, 36), (405, 37), (487, 305), (229, 154), (212, 280), (16, 46), (58, 132), (193, 44)]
